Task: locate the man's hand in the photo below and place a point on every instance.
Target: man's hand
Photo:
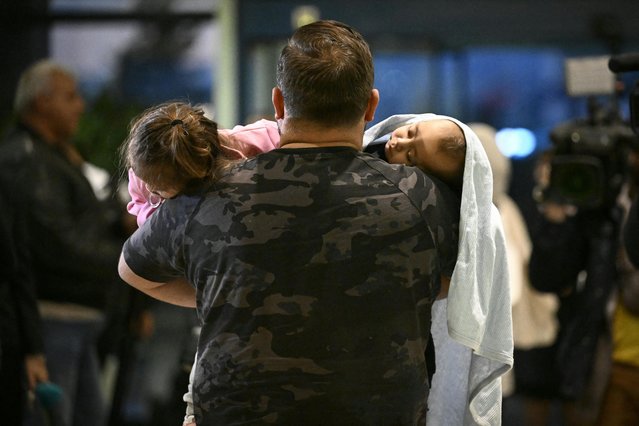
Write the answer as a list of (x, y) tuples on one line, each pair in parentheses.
[(144, 325), (557, 213), (36, 370)]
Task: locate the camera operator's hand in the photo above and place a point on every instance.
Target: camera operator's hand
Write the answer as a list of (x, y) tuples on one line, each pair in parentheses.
[(552, 211), (557, 213), (36, 370)]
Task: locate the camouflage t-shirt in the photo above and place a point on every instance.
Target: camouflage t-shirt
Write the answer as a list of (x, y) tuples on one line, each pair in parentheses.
[(315, 271)]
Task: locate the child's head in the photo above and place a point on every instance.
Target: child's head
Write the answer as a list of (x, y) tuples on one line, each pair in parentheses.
[(435, 146), (172, 146)]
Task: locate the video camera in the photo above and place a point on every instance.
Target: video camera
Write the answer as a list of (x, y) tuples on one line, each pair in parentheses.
[(589, 162)]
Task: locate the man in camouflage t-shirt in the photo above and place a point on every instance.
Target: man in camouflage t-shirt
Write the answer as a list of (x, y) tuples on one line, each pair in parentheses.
[(314, 265)]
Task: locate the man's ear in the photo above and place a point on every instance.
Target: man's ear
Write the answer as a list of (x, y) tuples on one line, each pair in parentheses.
[(278, 103), (373, 101)]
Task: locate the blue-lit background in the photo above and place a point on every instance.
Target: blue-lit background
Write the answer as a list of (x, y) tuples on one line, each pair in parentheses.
[(496, 62)]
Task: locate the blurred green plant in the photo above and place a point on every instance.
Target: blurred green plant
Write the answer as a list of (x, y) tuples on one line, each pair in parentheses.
[(103, 128)]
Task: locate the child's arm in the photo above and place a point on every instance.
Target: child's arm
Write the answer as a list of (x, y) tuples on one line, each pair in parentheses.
[(252, 139)]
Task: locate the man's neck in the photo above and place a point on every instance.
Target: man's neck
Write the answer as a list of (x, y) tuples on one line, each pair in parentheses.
[(297, 144), (42, 130), (45, 134), (310, 135)]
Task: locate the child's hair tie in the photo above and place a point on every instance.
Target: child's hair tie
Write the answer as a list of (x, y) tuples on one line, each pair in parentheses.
[(176, 122)]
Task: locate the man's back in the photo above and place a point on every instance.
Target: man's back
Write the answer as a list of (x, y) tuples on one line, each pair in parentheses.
[(315, 270)]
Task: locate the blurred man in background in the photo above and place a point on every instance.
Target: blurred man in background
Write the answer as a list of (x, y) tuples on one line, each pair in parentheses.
[(71, 237)]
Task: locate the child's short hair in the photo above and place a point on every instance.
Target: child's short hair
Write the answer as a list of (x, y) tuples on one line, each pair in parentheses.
[(453, 146)]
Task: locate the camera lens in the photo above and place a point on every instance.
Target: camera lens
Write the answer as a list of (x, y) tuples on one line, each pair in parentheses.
[(577, 180)]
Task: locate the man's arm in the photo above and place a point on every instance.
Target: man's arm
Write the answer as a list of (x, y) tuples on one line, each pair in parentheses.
[(177, 292)]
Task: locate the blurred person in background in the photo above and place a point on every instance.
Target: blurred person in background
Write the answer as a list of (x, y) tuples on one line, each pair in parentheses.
[(534, 313), (577, 255), (22, 362), (620, 404), (73, 239)]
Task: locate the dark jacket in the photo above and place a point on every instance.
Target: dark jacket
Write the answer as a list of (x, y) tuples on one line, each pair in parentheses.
[(19, 317), (73, 248), (631, 233), (577, 261)]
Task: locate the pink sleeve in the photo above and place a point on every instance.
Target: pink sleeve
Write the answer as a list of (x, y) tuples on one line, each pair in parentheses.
[(139, 205), (253, 139)]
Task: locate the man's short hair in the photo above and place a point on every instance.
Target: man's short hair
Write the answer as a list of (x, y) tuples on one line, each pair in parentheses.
[(325, 73), (35, 81)]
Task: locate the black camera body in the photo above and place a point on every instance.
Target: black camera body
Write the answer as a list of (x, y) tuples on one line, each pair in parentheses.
[(589, 163), (590, 156)]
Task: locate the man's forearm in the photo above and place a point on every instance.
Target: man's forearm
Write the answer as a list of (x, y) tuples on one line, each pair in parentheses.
[(177, 292)]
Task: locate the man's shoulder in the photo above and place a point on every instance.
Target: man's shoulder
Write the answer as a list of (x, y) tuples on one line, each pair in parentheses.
[(18, 153), (16, 143), (19, 145), (406, 177), (182, 206), (368, 167)]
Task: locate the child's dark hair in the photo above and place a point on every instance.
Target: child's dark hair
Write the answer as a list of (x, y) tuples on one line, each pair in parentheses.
[(453, 146), (173, 146)]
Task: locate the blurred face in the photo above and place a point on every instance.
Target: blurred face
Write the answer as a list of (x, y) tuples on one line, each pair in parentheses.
[(62, 106), (420, 145), (156, 194), (162, 193)]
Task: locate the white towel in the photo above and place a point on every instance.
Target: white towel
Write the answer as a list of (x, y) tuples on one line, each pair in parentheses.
[(478, 309)]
